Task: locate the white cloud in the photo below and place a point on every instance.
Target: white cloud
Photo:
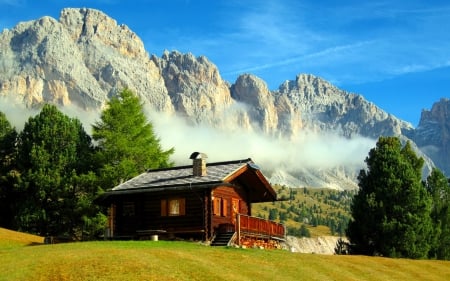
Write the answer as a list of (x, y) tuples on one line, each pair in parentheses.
[(309, 150), (16, 113), (317, 58)]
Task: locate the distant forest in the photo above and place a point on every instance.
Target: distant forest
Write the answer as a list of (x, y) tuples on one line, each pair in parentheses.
[(309, 212)]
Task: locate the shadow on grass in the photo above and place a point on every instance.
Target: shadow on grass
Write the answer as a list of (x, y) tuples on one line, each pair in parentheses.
[(36, 243)]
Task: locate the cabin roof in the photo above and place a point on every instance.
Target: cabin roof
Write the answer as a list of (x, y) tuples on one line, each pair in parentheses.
[(182, 175), (244, 171)]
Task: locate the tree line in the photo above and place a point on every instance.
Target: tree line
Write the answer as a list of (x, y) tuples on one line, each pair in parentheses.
[(52, 171)]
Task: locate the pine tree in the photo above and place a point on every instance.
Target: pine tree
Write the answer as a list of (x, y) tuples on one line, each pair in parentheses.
[(273, 214), (53, 152), (9, 175), (127, 145), (391, 211), (341, 247), (304, 231), (438, 187)]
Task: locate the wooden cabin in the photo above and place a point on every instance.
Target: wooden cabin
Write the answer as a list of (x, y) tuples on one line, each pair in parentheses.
[(197, 201)]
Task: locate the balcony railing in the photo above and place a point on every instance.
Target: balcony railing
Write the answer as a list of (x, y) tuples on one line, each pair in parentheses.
[(258, 227)]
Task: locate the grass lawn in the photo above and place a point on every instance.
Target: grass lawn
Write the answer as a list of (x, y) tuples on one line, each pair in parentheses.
[(167, 260)]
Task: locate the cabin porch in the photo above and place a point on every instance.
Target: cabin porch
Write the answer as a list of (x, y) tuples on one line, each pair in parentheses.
[(251, 231)]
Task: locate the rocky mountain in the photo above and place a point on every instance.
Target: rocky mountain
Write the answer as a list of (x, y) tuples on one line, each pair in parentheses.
[(81, 59), (85, 57), (433, 134)]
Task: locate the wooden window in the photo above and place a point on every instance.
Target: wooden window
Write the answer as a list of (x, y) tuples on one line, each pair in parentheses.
[(220, 207), (173, 207)]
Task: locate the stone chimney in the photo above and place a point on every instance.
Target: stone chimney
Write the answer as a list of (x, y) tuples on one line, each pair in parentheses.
[(199, 164)]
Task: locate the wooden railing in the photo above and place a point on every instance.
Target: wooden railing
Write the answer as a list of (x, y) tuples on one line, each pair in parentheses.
[(258, 227)]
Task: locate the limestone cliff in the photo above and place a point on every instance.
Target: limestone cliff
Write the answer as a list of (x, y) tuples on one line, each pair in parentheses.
[(194, 86), (433, 134), (323, 245), (82, 59), (323, 107)]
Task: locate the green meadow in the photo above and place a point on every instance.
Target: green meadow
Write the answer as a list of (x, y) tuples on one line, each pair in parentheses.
[(24, 257)]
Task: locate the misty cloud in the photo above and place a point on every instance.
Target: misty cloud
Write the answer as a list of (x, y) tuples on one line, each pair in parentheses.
[(308, 150), (16, 113)]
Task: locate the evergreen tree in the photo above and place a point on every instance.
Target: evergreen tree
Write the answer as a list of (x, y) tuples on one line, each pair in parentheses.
[(54, 152), (304, 231), (9, 176), (273, 214), (438, 187), (341, 247), (127, 145), (391, 211)]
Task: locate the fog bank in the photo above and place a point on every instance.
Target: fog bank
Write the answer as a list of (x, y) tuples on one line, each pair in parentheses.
[(308, 150)]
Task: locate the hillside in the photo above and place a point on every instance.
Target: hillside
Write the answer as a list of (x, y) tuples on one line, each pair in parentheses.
[(149, 260), (305, 133), (323, 212)]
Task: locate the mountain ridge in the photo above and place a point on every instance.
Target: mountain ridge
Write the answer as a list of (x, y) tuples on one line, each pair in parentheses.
[(85, 57)]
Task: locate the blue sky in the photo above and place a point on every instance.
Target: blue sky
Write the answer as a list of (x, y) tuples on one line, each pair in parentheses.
[(396, 53)]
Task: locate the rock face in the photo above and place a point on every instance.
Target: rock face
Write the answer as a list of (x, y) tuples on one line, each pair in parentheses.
[(323, 107), (320, 245), (433, 134), (82, 59), (253, 92), (194, 86), (85, 57)]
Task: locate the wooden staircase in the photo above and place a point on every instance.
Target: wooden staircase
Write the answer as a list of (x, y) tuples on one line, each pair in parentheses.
[(222, 239)]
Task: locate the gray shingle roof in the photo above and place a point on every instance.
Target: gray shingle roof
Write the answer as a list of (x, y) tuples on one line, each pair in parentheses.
[(182, 176)]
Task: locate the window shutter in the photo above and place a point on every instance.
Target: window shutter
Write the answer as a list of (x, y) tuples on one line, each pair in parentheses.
[(216, 206), (163, 207), (224, 207), (182, 206)]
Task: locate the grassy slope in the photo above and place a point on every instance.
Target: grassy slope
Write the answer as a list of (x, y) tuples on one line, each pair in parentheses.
[(12, 239), (147, 260), (314, 196)]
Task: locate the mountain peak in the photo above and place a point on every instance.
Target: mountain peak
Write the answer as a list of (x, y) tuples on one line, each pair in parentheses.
[(89, 24), (433, 133)]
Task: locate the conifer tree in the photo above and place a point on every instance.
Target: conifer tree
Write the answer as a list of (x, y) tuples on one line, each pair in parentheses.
[(53, 153), (127, 145), (438, 187), (391, 211), (8, 172)]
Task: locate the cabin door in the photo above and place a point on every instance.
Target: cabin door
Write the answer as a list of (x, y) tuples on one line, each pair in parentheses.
[(234, 209)]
